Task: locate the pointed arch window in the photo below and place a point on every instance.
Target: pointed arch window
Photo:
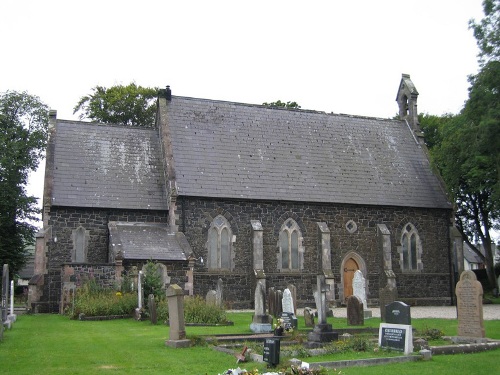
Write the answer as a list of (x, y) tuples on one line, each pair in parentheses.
[(290, 246), (219, 244), (411, 249)]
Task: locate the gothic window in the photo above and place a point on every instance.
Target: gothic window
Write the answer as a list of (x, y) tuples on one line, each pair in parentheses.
[(411, 249), (289, 243), (80, 241), (219, 244)]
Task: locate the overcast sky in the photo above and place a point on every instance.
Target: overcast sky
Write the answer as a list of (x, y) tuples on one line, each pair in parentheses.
[(334, 56)]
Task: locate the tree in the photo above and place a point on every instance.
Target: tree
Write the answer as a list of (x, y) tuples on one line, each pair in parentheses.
[(128, 105), (280, 104), (23, 136), (487, 32)]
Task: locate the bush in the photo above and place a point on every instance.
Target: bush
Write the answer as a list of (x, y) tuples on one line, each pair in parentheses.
[(431, 333), (94, 300), (196, 310)]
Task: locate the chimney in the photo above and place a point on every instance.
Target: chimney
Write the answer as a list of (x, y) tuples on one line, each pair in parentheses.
[(165, 93)]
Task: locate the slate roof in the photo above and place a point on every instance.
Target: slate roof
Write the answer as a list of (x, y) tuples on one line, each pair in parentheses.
[(233, 150), (107, 166), (147, 241)]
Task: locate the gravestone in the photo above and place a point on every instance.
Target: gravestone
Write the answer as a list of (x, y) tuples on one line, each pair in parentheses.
[(11, 317), (177, 332), (470, 306), (153, 316), (308, 317), (293, 292), (289, 320), (271, 301), (5, 292), (219, 294), (387, 295), (322, 331), (398, 313), (211, 298), (359, 290), (397, 333), (261, 321), (355, 315), (287, 302), (271, 353)]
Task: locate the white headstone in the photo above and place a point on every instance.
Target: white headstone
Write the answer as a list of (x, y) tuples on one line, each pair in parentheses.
[(139, 290), (287, 301), (359, 287)]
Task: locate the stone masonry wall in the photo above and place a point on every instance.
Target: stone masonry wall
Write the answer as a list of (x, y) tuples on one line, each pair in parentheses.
[(431, 285), (63, 221)]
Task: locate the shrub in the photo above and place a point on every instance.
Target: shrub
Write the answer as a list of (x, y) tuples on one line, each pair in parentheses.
[(431, 333), (94, 300), (196, 310)]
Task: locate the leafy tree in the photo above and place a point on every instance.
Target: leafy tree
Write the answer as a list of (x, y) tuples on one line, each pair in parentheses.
[(128, 105), (280, 104), (487, 32), (23, 136), (153, 283)]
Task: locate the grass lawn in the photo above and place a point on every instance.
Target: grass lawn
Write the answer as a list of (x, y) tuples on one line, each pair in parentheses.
[(53, 344)]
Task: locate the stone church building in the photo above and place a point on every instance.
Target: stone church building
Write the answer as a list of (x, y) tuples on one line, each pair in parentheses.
[(240, 192)]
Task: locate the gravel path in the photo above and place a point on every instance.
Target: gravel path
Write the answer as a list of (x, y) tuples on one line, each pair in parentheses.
[(490, 312)]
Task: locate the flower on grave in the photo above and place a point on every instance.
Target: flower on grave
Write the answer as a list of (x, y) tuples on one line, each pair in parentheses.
[(119, 294), (281, 325)]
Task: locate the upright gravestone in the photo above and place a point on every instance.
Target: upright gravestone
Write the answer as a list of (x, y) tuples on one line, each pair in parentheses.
[(287, 301), (293, 292), (387, 294), (211, 298), (396, 333), (177, 332), (261, 321), (470, 306), (153, 316), (308, 317), (355, 315), (11, 317), (359, 290), (5, 292), (323, 331), (271, 302), (219, 294)]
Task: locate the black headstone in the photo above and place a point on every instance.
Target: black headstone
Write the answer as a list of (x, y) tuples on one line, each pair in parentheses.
[(289, 320), (271, 353), (397, 313), (393, 337)]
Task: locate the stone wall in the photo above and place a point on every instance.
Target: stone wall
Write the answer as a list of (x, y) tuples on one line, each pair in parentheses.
[(431, 283), (62, 222)]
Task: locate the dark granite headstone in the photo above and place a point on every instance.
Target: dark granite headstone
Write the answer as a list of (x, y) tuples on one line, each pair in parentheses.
[(398, 313), (289, 320), (355, 315), (393, 338), (271, 353)]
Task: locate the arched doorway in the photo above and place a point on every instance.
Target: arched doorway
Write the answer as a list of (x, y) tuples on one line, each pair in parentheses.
[(350, 266)]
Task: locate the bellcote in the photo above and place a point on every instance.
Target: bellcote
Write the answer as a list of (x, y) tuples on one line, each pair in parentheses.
[(407, 102)]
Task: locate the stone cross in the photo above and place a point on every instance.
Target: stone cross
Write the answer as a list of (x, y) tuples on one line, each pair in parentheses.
[(177, 333), (320, 298), (219, 296), (470, 306)]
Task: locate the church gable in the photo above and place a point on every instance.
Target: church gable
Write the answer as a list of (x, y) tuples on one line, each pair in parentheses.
[(232, 150)]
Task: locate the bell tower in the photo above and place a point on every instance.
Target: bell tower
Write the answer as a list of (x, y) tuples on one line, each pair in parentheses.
[(407, 102)]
